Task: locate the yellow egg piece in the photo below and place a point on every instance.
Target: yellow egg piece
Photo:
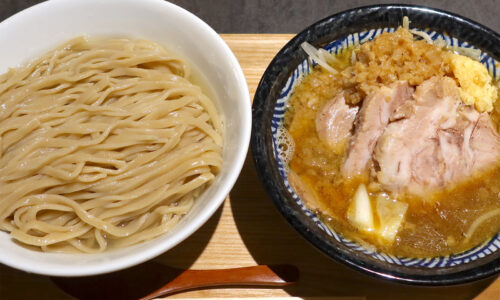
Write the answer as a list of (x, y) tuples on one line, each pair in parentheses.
[(476, 86)]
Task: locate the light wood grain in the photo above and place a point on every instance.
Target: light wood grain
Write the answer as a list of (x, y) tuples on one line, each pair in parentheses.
[(247, 230)]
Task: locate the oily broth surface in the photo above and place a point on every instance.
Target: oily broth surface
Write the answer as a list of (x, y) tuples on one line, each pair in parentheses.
[(430, 228)]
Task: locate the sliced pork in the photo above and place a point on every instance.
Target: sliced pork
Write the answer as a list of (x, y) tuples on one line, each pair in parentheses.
[(437, 141), (334, 123), (484, 143), (408, 149), (371, 122)]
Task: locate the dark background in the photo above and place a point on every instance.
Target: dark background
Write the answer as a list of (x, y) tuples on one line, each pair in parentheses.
[(291, 16)]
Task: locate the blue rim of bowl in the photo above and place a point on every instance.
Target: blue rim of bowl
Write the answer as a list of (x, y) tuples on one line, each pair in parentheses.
[(321, 33)]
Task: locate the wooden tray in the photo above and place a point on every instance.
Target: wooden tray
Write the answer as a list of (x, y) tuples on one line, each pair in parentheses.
[(248, 230)]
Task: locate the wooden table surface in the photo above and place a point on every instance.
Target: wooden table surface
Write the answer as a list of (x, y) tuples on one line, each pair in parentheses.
[(248, 230)]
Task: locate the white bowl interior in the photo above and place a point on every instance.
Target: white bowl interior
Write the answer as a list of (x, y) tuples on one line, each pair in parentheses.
[(41, 28)]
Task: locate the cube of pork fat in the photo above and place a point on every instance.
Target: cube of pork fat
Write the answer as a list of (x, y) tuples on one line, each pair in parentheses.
[(440, 142), (334, 123), (371, 122)]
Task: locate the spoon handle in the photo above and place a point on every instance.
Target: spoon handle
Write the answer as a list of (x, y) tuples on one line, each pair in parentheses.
[(262, 275)]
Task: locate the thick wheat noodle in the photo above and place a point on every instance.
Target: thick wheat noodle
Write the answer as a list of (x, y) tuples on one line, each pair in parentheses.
[(103, 143), (479, 221)]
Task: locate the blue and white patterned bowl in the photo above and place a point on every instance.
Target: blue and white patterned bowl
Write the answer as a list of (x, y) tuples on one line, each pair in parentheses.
[(290, 66)]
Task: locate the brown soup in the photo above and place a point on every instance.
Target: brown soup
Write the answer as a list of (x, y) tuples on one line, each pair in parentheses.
[(435, 223)]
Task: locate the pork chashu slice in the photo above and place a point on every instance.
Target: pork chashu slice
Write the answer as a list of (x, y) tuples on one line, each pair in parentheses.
[(435, 141), (334, 123), (372, 119)]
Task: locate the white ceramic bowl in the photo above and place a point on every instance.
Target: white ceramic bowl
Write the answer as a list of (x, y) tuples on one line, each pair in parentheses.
[(41, 28)]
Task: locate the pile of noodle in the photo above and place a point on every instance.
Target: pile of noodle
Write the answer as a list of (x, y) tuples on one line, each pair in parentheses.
[(103, 144)]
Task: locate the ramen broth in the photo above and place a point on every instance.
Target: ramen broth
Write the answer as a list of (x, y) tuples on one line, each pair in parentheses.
[(435, 223)]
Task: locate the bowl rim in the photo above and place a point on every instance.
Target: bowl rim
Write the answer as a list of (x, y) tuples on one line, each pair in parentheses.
[(371, 17), (243, 95)]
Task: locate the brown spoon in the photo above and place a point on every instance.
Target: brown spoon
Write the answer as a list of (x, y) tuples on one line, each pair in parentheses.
[(138, 282)]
